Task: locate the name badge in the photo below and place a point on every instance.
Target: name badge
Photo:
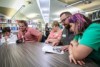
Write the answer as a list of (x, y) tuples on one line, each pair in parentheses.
[(64, 35)]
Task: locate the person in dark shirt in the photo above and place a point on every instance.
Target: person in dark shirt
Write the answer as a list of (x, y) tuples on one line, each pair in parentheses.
[(46, 30), (67, 35)]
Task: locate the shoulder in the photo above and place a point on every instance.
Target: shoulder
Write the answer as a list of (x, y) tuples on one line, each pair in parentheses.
[(31, 29), (51, 31), (60, 31), (91, 37)]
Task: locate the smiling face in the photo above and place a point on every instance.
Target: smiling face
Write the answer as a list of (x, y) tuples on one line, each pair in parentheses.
[(22, 26)]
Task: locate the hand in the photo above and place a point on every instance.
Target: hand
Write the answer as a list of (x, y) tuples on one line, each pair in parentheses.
[(55, 43), (6, 37), (71, 59), (65, 48), (74, 43), (46, 41)]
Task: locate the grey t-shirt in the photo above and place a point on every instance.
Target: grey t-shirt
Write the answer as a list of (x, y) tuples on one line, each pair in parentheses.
[(67, 36)]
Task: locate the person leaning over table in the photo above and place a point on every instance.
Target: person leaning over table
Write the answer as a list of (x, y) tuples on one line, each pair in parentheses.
[(55, 34), (88, 42), (67, 35), (7, 36), (28, 34)]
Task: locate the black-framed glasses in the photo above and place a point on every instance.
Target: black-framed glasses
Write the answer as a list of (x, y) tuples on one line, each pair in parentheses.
[(64, 19)]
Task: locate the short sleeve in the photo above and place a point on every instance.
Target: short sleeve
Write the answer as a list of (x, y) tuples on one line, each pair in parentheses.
[(35, 32), (91, 38), (60, 34)]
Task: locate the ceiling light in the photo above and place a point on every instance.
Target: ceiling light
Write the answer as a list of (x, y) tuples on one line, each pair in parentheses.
[(44, 9), (32, 15)]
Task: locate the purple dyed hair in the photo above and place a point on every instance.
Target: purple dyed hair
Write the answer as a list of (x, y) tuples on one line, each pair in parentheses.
[(83, 21)]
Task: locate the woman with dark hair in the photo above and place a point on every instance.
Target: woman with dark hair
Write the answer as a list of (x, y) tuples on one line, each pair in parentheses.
[(7, 36), (87, 40)]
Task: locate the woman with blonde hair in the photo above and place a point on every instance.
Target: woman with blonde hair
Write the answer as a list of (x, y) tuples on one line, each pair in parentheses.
[(55, 34)]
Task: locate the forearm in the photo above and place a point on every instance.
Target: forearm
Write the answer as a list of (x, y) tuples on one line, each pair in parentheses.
[(76, 53), (53, 40), (70, 49), (39, 38)]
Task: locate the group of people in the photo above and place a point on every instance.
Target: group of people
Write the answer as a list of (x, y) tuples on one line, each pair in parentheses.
[(25, 34), (80, 36)]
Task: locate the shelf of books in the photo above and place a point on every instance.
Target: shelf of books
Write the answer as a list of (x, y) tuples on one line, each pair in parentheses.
[(95, 15), (13, 24), (8, 23)]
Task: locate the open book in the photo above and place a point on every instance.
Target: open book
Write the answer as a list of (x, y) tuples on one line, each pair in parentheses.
[(52, 49)]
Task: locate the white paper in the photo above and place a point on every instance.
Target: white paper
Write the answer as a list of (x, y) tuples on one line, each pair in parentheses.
[(52, 49)]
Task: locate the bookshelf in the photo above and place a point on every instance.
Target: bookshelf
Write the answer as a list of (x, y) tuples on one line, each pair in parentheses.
[(8, 23), (95, 15)]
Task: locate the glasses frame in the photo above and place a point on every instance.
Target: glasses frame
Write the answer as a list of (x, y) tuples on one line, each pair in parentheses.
[(62, 21)]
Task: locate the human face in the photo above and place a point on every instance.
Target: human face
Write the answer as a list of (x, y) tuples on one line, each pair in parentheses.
[(55, 28), (64, 20), (22, 26), (74, 27), (7, 34)]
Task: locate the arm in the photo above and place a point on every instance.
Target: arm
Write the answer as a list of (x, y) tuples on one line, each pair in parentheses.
[(37, 34), (19, 35), (71, 57), (39, 37), (80, 52), (88, 43), (56, 41), (65, 48)]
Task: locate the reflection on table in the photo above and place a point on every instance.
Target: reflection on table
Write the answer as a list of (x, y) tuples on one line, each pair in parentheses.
[(31, 55)]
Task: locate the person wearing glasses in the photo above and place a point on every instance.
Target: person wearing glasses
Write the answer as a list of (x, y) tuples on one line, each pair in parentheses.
[(55, 34), (7, 36), (89, 44), (67, 35), (27, 34)]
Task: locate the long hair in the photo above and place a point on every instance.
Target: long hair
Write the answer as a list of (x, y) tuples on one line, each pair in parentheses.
[(81, 21)]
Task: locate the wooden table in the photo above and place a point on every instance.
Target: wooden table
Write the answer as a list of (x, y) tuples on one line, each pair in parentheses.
[(31, 55)]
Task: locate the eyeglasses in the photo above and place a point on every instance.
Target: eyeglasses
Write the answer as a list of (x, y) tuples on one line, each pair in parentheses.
[(64, 19)]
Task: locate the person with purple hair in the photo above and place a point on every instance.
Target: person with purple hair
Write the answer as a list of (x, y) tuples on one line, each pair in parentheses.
[(86, 43)]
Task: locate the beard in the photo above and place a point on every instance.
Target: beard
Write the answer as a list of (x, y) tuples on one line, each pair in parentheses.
[(67, 26)]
